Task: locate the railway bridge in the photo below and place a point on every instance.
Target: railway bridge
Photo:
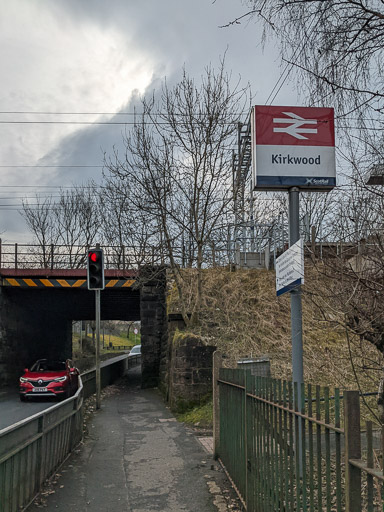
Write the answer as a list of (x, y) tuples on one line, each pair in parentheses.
[(38, 305)]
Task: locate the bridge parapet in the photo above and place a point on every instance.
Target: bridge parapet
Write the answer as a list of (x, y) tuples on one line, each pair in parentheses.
[(55, 257)]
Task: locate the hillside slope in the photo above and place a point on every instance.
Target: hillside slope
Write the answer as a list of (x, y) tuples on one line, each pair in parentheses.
[(243, 317)]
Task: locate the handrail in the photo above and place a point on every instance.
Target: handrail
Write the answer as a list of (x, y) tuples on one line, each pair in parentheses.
[(25, 421)]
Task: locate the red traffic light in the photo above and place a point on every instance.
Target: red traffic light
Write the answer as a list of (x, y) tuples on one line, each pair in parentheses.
[(95, 270), (93, 256)]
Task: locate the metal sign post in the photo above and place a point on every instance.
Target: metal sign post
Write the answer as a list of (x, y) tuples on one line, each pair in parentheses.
[(296, 318), (289, 278), (296, 309)]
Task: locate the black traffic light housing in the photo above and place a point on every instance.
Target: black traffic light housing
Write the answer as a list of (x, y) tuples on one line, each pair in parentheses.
[(95, 269)]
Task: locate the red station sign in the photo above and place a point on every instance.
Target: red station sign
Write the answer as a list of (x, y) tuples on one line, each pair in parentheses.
[(293, 147)]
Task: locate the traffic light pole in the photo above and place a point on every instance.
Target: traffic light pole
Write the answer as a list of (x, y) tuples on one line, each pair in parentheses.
[(97, 318), (96, 281)]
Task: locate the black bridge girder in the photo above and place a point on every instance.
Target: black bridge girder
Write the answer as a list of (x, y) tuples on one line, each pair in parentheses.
[(78, 304)]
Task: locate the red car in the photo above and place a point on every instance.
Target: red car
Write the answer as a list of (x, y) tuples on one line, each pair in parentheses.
[(49, 378)]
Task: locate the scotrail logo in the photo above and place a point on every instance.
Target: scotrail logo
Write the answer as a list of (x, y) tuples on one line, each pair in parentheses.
[(317, 181), (295, 123)]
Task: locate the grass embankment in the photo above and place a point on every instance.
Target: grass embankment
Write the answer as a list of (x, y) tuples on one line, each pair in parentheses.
[(84, 351), (110, 341), (242, 317)]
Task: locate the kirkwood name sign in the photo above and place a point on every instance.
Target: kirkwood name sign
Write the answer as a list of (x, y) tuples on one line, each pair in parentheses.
[(293, 147)]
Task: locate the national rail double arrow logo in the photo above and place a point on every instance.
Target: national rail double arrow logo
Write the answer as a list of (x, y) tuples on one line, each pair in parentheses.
[(295, 123)]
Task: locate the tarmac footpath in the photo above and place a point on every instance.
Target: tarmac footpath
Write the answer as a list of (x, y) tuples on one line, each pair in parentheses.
[(137, 458)]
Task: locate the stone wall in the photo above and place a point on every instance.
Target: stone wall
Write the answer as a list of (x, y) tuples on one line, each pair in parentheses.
[(190, 372)]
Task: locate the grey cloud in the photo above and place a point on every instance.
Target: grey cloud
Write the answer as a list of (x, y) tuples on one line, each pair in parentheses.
[(170, 33)]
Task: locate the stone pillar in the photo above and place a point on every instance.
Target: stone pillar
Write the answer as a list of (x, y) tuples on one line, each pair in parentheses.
[(175, 322), (152, 282), (191, 371)]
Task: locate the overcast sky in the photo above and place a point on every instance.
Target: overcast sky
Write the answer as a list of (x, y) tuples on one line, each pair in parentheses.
[(89, 58)]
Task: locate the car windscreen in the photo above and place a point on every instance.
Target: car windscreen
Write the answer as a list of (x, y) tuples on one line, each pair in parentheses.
[(48, 366)]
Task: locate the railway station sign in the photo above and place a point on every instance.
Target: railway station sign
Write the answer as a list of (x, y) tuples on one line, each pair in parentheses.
[(293, 147), (290, 268)]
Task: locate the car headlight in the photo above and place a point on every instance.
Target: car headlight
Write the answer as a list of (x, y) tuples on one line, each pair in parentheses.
[(22, 379), (60, 379)]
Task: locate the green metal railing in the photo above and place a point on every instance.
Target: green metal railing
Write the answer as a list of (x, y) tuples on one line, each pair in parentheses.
[(285, 456), (33, 449)]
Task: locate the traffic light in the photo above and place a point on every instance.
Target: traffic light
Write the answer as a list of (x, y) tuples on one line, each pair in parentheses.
[(95, 269)]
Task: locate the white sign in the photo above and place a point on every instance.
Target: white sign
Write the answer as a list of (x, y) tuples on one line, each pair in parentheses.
[(135, 331), (293, 147), (290, 268)]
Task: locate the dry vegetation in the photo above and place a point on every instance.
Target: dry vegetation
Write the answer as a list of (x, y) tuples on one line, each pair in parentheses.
[(243, 317)]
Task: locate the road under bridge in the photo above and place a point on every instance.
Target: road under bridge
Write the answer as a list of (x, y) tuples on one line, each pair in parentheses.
[(37, 307)]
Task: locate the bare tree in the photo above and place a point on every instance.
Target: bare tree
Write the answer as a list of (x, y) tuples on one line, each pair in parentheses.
[(63, 227), (176, 172), (129, 232), (338, 44), (40, 221)]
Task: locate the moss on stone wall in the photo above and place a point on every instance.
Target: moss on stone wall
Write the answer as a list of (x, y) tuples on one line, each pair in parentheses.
[(182, 338)]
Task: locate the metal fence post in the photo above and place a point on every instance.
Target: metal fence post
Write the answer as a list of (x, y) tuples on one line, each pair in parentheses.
[(123, 253), (352, 451), (247, 376), (217, 364), (52, 255), (39, 470)]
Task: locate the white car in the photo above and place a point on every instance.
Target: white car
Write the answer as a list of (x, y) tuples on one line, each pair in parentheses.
[(136, 351)]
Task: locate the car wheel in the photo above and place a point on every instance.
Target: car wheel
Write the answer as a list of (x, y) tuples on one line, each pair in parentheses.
[(23, 398)]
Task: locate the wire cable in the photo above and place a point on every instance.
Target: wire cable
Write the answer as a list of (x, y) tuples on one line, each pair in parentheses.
[(290, 65)]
